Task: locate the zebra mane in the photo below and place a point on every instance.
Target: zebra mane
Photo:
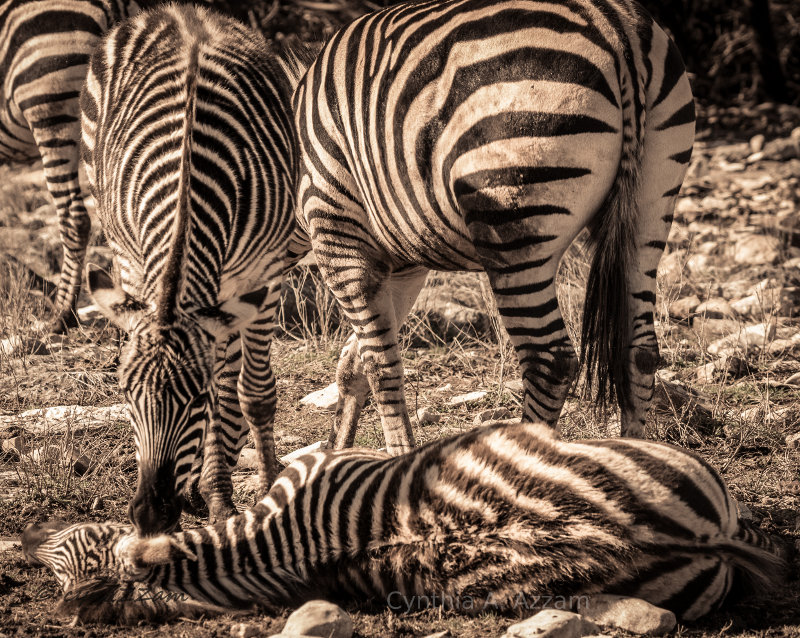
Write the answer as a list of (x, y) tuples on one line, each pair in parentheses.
[(167, 301)]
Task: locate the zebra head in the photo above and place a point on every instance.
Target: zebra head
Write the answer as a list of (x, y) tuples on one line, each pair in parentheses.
[(166, 373), (106, 572)]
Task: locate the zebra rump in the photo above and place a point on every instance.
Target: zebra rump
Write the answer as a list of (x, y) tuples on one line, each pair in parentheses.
[(504, 513)]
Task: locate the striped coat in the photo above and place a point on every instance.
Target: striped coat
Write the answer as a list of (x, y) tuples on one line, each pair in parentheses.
[(485, 521), (485, 135)]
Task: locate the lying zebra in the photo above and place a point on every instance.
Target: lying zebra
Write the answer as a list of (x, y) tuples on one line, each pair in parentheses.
[(501, 511)]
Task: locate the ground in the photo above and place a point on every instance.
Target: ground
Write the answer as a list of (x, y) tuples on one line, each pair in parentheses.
[(735, 243)]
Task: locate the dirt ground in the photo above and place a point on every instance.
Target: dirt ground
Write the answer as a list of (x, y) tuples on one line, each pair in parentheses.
[(729, 385)]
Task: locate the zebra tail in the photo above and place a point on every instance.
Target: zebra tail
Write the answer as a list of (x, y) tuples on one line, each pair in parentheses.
[(760, 560), (606, 327)]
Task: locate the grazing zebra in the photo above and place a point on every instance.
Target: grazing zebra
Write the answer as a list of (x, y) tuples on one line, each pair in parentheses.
[(483, 520), (478, 134), (44, 49), (190, 152)]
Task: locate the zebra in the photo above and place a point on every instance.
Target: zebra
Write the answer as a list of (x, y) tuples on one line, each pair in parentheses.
[(485, 135), (190, 153), (44, 49), (504, 511)]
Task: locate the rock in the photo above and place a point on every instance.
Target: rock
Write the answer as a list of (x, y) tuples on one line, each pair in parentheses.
[(244, 630), (548, 623), (756, 250), (710, 329), (98, 504), (783, 346), (447, 387), (514, 386), (6, 545), (492, 414), (670, 270), (439, 634), (793, 380), (757, 143), (308, 449), (726, 364), (16, 445), (248, 459), (15, 346), (466, 399), (629, 614), (715, 308), (61, 456), (698, 264), (55, 419), (325, 399), (319, 618), (757, 336), (745, 513), (426, 416), (684, 308)]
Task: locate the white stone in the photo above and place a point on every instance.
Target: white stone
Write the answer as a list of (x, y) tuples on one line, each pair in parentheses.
[(794, 379), (447, 387), (6, 545), (16, 445), (548, 623), (308, 449), (670, 269), (715, 308), (629, 614), (248, 459), (466, 399), (325, 399), (319, 618), (757, 144), (514, 386), (684, 307), (793, 440), (755, 336), (492, 414), (755, 250), (426, 416), (244, 630), (57, 418)]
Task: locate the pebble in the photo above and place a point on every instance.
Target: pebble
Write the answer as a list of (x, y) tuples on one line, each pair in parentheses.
[(514, 386), (670, 269), (426, 416), (715, 308), (755, 336), (325, 399), (629, 614), (319, 618), (492, 414), (98, 504), (248, 459), (793, 440), (16, 445), (54, 419), (548, 623), (7, 545), (745, 513), (757, 143), (684, 308), (466, 399), (756, 250), (244, 630)]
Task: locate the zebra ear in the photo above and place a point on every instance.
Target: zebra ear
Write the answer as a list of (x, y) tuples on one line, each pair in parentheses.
[(233, 314), (115, 304)]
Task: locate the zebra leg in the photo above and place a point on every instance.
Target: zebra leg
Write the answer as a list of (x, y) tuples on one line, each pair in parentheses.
[(529, 310), (256, 391), (224, 439), (61, 175), (665, 157), (350, 377)]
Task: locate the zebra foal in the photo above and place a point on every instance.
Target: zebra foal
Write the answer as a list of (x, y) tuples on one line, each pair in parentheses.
[(476, 134), (44, 49), (189, 149), (480, 521)]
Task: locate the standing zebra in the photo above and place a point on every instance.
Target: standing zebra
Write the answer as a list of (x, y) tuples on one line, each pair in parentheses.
[(481, 521), (44, 49), (477, 134), (189, 149)]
